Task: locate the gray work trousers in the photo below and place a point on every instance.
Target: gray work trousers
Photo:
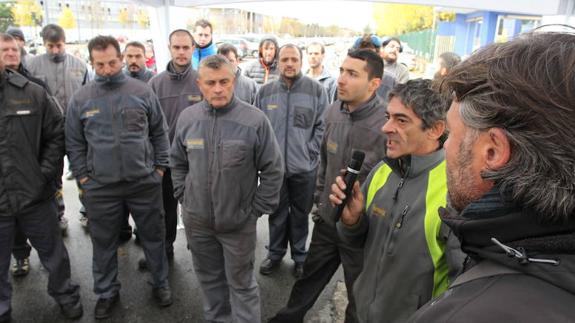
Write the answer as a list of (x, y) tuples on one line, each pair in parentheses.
[(40, 224), (224, 265), (105, 205)]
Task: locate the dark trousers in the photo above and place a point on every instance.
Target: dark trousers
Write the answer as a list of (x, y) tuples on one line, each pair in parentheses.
[(170, 210), (326, 252), (105, 205), (21, 249), (40, 224), (290, 222)]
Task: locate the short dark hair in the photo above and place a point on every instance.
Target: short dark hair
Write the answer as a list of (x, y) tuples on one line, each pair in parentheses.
[(203, 23), (226, 48), (265, 41), (374, 63), (388, 40), (7, 37), (53, 33), (101, 43), (216, 62), (450, 60), (526, 87), (316, 44), (418, 95), (181, 31), (291, 46), (371, 42), (136, 44)]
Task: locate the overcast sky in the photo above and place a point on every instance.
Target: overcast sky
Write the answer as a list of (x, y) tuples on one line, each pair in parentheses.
[(351, 14)]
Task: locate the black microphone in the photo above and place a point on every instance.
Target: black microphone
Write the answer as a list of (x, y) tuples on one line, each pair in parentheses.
[(349, 178)]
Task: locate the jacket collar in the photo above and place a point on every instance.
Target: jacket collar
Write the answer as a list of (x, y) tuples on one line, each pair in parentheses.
[(324, 74), (138, 75), (178, 76), (412, 166), (296, 80), (222, 110), (365, 110), (117, 78)]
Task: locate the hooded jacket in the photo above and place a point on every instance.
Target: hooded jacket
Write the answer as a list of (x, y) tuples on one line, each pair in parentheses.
[(261, 72), (297, 116), (63, 78), (115, 131), (408, 255), (31, 143), (540, 283), (203, 52), (217, 158), (176, 91), (345, 132)]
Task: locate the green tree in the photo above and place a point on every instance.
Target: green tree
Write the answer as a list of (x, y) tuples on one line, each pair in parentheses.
[(27, 13), (6, 17), (67, 20)]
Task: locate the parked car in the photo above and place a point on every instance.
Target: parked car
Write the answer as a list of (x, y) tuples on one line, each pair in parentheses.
[(240, 44)]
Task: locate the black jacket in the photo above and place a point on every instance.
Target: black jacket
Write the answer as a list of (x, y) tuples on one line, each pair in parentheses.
[(31, 143), (541, 284)]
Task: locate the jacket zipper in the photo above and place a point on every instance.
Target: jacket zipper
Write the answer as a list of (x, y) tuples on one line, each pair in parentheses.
[(286, 132), (212, 166)]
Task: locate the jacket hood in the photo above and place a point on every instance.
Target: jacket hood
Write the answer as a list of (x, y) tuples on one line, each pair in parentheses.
[(497, 229)]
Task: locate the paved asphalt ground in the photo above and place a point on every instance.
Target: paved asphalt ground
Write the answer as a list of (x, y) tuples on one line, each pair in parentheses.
[(31, 302)]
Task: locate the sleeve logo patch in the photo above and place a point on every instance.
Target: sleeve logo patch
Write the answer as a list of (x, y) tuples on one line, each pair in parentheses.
[(194, 98), (91, 113), (272, 106), (379, 211), (331, 147)]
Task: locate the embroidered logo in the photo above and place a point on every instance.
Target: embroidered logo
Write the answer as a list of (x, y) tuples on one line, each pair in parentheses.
[(23, 112), (195, 143), (379, 211), (91, 113), (20, 102), (331, 147), (194, 98), (272, 106)]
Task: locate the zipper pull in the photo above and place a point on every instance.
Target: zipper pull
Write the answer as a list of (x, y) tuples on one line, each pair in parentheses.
[(398, 188), (403, 213)]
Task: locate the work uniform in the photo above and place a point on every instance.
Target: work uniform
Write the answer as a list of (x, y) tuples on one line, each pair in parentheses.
[(406, 247), (345, 132), (31, 158), (217, 157), (296, 113), (176, 91), (116, 137)]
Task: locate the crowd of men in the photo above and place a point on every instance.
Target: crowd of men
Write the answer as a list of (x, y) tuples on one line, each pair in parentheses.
[(463, 209)]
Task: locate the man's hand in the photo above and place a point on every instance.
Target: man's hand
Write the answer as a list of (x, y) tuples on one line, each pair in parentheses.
[(160, 171), (354, 206), (83, 180)]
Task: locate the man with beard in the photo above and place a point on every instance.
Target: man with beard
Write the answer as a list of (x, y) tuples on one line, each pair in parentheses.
[(445, 63), (511, 180), (390, 50), (264, 69), (204, 45), (177, 88), (118, 147), (227, 172), (135, 61), (295, 105), (32, 151), (64, 74), (315, 55), (394, 215), (352, 123)]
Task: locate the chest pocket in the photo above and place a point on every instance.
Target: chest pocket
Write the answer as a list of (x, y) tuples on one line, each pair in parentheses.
[(234, 153), (134, 119), (303, 117)]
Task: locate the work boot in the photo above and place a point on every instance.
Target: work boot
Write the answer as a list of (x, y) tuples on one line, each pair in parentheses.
[(163, 296), (298, 270), (21, 267), (72, 311), (104, 307), (268, 266)]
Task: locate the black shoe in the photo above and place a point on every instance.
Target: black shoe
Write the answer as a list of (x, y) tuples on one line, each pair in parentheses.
[(72, 311), (104, 306), (298, 270), (142, 264), (21, 267), (163, 296), (6, 317), (268, 266)]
